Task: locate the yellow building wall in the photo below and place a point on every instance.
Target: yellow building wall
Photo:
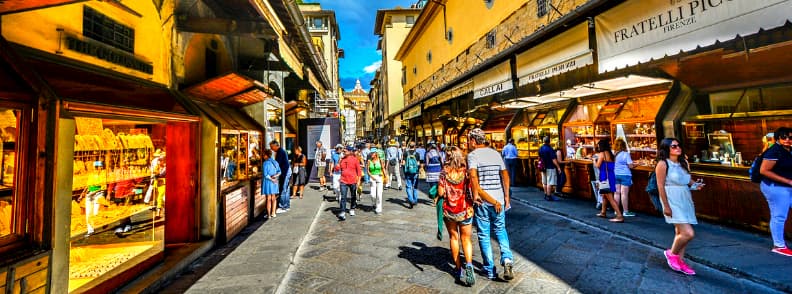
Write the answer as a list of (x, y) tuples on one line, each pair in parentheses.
[(469, 21), (394, 37), (39, 29)]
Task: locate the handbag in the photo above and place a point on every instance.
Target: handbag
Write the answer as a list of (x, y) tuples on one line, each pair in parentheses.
[(604, 187)]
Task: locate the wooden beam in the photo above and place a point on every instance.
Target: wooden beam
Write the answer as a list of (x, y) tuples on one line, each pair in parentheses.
[(255, 29)]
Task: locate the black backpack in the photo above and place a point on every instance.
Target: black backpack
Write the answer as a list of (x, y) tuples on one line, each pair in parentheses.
[(754, 172)]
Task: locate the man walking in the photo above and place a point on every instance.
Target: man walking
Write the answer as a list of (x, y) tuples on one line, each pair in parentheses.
[(320, 160), (488, 176), (411, 165), (510, 157), (394, 163), (335, 168), (283, 162), (350, 176), (550, 175)]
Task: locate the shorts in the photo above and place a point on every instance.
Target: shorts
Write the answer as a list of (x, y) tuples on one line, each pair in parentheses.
[(464, 222), (321, 171), (550, 177), (624, 180)]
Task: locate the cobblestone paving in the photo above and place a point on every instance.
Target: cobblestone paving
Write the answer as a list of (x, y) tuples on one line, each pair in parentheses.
[(397, 252)]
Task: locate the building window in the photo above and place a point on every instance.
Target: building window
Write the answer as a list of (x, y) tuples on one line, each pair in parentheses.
[(491, 39), (101, 28), (410, 19), (318, 23), (429, 56), (489, 3), (415, 70), (450, 35), (10, 203), (404, 76), (542, 7)]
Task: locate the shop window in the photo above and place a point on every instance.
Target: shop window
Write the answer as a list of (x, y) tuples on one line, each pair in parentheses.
[(410, 19), (491, 39), (101, 28), (9, 210), (542, 7), (118, 195)]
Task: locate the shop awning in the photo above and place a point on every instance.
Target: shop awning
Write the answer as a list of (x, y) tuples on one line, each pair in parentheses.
[(23, 5), (87, 83), (639, 31), (228, 117), (232, 89), (493, 81), (565, 52)]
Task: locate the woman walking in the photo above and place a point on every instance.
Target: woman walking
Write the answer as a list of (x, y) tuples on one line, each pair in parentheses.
[(299, 175), (269, 184), (454, 188), (607, 180), (434, 166), (623, 175), (776, 171), (674, 184), (375, 172)]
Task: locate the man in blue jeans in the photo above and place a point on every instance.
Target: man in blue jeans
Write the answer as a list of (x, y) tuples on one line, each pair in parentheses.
[(488, 175), (411, 165)]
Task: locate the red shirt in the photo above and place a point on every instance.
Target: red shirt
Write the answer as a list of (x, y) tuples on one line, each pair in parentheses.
[(350, 169)]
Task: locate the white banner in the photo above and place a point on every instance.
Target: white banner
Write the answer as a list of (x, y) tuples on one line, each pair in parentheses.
[(565, 52), (641, 30), (493, 81), (317, 133)]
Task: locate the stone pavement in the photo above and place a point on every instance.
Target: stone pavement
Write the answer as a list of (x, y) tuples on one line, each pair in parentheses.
[(397, 252), (741, 253), (257, 259), (307, 250)]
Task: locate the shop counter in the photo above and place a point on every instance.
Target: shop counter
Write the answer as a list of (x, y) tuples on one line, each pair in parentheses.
[(580, 177)]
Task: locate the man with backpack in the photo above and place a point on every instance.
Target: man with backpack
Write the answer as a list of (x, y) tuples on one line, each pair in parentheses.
[(394, 155), (411, 166)]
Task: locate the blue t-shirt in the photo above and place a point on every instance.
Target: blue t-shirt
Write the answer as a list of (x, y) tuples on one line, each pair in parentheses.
[(421, 153), (547, 154), (783, 166)]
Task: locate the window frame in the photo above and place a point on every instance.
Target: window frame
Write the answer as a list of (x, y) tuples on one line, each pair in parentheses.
[(407, 20), (112, 33), (542, 8), (25, 225), (491, 39)]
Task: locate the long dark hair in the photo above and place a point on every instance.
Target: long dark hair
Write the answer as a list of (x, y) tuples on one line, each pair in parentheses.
[(604, 146), (664, 151)]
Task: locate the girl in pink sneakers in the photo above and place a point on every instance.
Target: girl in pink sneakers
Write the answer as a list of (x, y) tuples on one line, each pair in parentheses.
[(674, 184)]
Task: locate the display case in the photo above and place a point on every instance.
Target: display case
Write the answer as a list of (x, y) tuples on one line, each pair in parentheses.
[(117, 202), (635, 123), (229, 148), (8, 166), (521, 133), (495, 129), (585, 127), (254, 154)]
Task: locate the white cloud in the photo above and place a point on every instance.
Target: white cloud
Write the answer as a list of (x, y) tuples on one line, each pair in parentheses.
[(373, 67)]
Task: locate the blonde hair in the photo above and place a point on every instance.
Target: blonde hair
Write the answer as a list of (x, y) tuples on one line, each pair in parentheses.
[(619, 145), (455, 158)]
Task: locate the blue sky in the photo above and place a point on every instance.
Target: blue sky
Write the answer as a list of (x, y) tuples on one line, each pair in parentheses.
[(356, 22)]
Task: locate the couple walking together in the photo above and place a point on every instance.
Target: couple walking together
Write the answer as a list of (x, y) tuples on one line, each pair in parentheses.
[(476, 190)]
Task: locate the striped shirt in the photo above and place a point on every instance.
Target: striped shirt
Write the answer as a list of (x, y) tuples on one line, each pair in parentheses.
[(488, 165)]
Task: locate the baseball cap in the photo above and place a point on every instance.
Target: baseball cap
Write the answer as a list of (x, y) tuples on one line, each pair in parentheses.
[(477, 134)]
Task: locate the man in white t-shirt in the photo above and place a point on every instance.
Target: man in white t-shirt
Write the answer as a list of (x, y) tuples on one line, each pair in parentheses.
[(320, 160), (488, 175)]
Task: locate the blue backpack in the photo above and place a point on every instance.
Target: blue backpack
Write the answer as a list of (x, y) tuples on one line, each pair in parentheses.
[(411, 164), (754, 172)]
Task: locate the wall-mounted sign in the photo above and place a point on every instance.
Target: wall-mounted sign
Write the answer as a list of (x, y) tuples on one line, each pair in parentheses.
[(412, 113), (640, 30), (109, 54), (565, 52), (493, 81)]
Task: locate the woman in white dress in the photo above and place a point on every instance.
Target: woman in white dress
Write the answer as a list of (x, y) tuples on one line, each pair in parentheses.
[(674, 184)]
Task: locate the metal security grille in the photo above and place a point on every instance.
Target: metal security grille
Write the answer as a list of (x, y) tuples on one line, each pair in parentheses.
[(101, 28), (542, 7)]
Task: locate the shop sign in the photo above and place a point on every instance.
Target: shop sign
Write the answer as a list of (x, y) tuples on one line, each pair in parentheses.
[(462, 89), (109, 54), (492, 81), (638, 31), (568, 51), (412, 113)]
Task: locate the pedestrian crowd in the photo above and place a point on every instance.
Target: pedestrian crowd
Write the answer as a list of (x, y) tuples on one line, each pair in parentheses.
[(472, 187)]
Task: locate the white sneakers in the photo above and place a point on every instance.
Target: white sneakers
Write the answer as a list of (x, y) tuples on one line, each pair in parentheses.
[(352, 212), (280, 210)]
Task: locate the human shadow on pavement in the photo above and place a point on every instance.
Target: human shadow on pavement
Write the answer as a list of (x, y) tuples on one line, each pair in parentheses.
[(439, 257)]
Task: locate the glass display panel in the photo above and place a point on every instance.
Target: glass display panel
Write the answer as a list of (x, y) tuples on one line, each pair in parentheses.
[(118, 195), (229, 167), (9, 132), (254, 153)]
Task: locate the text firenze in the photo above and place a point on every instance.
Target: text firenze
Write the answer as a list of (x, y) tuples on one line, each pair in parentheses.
[(672, 19)]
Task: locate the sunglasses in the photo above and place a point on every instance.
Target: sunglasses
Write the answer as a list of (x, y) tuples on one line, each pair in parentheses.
[(675, 146), (784, 137)]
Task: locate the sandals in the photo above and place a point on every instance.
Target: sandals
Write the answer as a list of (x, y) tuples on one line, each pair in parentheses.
[(616, 220), (602, 215)]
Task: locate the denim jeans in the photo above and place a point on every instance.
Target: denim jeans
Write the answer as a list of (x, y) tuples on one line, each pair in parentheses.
[(486, 221), (511, 166), (779, 198), (285, 200), (352, 188), (412, 191)]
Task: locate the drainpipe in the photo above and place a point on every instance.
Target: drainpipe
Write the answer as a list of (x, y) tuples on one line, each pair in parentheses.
[(296, 14)]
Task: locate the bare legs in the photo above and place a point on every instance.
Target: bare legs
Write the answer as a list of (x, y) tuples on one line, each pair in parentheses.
[(456, 229), (297, 189), (683, 234), (622, 197), (272, 204), (609, 197)]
